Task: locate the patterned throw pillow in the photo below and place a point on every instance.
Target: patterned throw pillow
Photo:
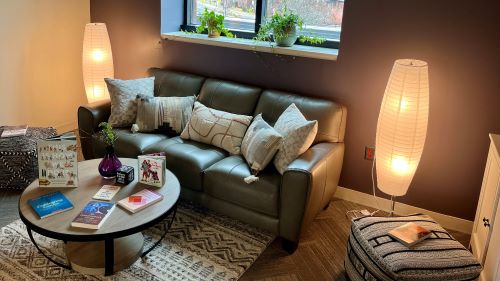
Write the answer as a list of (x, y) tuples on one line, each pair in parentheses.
[(260, 144), (219, 128), (156, 112), (123, 95), (298, 135)]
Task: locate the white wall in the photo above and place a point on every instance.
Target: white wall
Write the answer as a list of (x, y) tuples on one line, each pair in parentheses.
[(41, 80)]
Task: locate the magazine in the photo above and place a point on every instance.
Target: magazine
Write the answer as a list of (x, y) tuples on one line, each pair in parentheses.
[(93, 215), (409, 234), (57, 161), (14, 131), (140, 200), (50, 204), (152, 170)]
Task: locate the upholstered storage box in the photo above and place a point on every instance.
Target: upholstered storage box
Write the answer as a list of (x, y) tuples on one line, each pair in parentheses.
[(18, 158), (373, 255)]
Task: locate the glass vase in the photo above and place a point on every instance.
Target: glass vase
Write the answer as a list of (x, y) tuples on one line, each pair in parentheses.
[(109, 164)]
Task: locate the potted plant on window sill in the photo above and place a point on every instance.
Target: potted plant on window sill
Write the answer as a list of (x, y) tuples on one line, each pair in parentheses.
[(214, 23), (282, 28)]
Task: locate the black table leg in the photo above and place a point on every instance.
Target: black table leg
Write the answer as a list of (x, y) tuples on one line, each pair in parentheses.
[(167, 227), (109, 256), (30, 234)]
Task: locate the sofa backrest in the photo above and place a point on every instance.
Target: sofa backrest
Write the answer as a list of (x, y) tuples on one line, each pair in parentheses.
[(175, 84), (249, 100), (330, 115), (229, 96)]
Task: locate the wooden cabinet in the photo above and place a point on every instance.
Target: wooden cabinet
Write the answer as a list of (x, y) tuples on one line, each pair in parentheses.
[(485, 238)]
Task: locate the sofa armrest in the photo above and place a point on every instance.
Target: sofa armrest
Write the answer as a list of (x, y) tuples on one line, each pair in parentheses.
[(307, 186), (89, 118)]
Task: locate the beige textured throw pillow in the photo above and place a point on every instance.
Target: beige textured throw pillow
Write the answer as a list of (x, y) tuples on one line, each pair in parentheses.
[(156, 112), (298, 135), (218, 128), (260, 144), (123, 95)]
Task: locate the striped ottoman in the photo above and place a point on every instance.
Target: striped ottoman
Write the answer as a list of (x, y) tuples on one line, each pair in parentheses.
[(374, 255)]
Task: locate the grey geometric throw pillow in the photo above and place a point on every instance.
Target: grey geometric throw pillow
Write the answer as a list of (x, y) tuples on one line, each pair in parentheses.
[(260, 144), (298, 135), (123, 95), (158, 112)]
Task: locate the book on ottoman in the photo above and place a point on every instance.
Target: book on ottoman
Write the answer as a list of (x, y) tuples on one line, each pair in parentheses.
[(14, 131)]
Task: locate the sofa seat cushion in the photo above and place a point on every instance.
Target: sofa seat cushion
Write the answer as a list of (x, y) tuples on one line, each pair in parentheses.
[(188, 159), (224, 180), (128, 144)]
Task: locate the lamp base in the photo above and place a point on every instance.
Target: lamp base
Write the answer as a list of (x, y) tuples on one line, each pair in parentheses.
[(391, 213)]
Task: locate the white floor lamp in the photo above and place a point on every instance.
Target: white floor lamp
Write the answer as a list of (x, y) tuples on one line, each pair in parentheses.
[(97, 61), (402, 127)]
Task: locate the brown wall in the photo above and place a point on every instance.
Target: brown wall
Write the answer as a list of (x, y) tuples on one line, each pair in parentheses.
[(459, 39)]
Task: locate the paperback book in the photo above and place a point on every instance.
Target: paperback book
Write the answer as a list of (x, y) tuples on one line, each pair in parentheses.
[(50, 204), (140, 200), (152, 170), (93, 215), (57, 161), (14, 131), (106, 193), (410, 234)]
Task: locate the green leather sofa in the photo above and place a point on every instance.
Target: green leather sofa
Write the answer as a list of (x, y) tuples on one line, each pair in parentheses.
[(282, 204)]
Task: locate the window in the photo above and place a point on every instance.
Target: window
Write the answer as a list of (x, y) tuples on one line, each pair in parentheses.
[(323, 18), (238, 14)]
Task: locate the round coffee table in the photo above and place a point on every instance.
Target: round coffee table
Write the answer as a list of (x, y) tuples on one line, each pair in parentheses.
[(119, 242)]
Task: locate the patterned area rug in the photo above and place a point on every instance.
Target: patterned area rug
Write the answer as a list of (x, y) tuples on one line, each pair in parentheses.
[(201, 245)]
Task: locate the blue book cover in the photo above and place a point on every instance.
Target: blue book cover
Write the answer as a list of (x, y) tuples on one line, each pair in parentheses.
[(50, 204), (93, 214)]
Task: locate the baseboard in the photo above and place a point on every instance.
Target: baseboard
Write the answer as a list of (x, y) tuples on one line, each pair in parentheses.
[(446, 221), (66, 127)]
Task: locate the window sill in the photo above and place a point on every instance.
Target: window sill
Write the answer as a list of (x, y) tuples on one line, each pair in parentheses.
[(252, 45)]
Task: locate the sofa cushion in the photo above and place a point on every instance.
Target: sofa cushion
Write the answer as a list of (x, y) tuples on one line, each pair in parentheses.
[(224, 180), (128, 144), (229, 96), (170, 83), (331, 116), (222, 129), (123, 95), (188, 159)]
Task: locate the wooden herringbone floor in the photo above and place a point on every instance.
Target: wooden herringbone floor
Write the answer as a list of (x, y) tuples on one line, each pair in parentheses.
[(320, 254)]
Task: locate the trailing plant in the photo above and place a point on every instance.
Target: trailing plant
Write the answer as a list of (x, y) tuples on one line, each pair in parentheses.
[(107, 135), (281, 25), (214, 23)]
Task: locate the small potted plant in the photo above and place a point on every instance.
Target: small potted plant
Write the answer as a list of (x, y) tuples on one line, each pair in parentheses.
[(110, 163), (282, 28), (214, 23)]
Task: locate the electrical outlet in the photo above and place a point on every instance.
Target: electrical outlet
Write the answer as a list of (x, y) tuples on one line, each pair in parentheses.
[(369, 153)]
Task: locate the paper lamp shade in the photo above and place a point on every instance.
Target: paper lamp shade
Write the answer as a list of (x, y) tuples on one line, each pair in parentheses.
[(402, 126), (97, 61)]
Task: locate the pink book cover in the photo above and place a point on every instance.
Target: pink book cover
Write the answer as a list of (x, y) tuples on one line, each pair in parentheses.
[(140, 200)]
